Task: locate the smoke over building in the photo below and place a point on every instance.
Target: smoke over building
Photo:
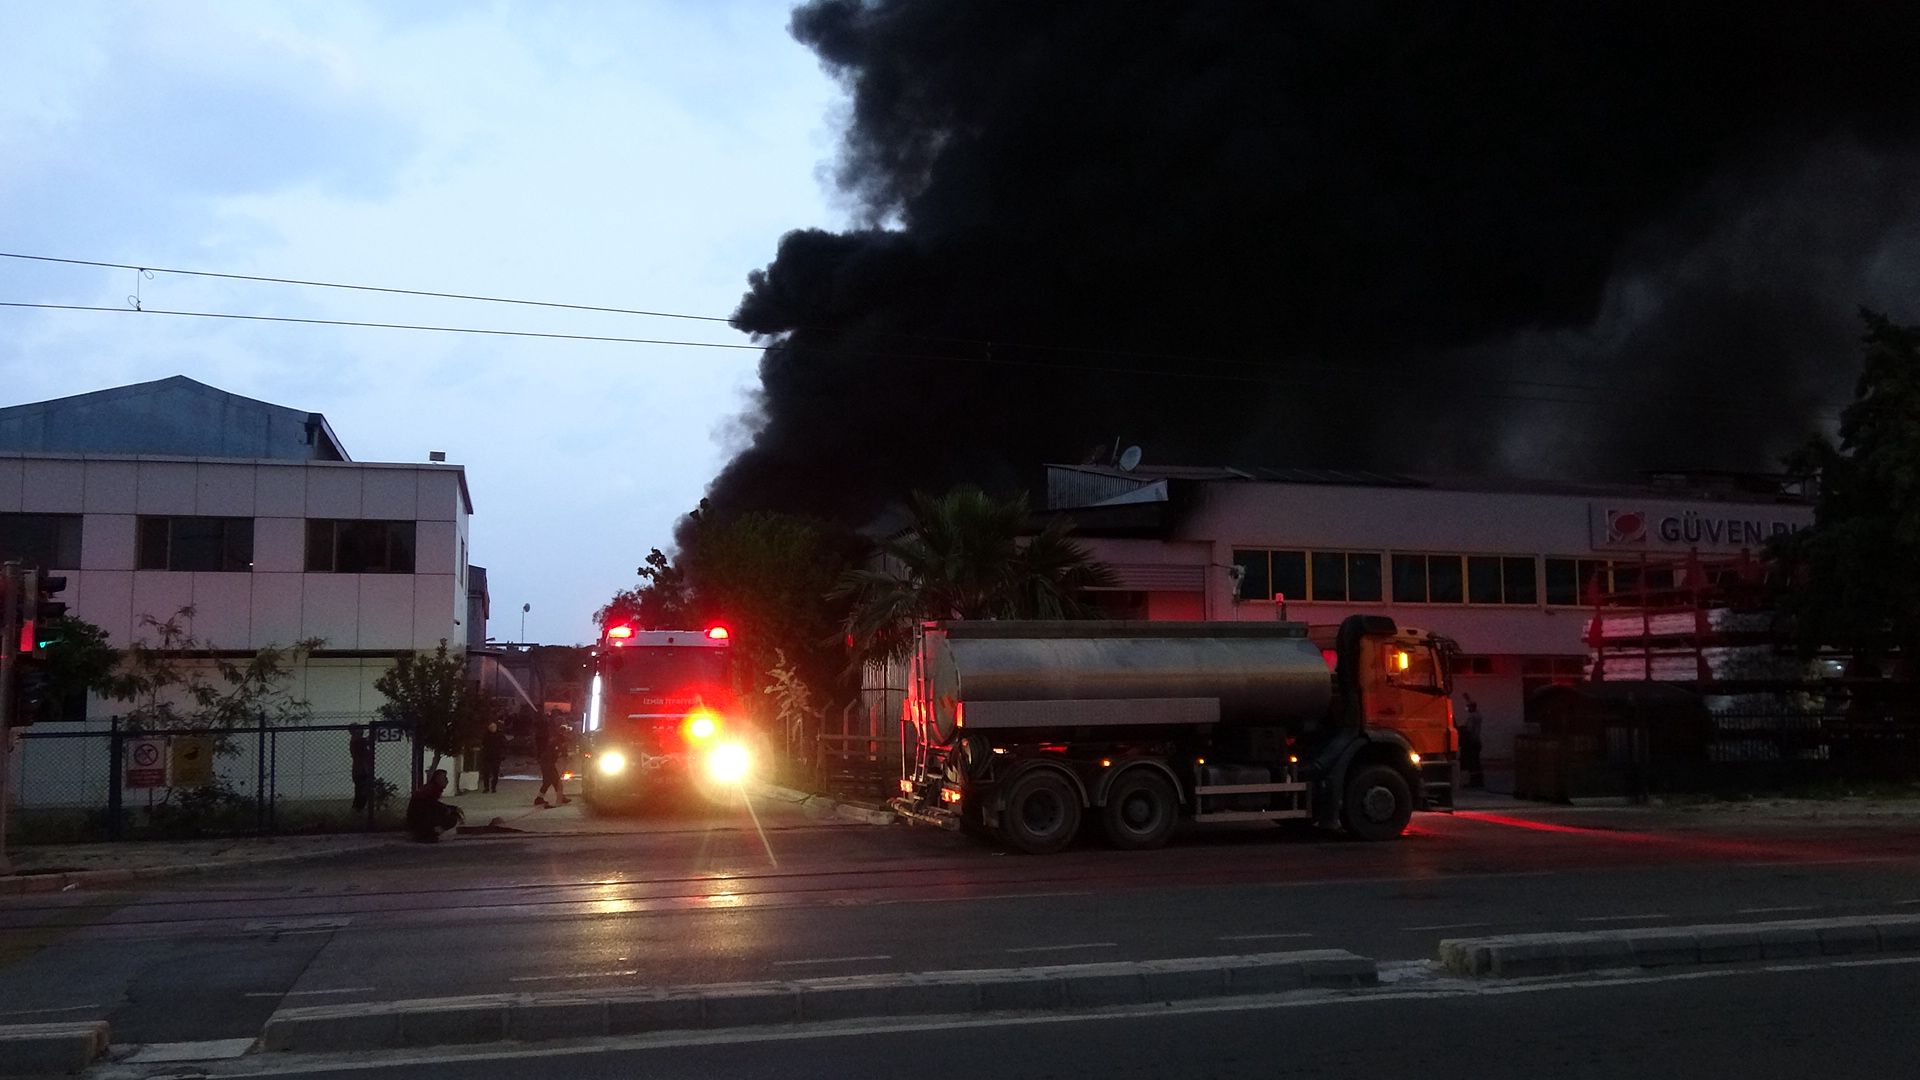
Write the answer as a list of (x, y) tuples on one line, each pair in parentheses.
[(1530, 238)]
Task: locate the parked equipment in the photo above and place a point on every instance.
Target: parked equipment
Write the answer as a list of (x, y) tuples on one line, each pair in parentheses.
[(1025, 729)]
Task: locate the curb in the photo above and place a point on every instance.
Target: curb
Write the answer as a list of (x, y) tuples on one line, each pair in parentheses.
[(571, 1015), (38, 1049), (1520, 955), (849, 811), (18, 883)]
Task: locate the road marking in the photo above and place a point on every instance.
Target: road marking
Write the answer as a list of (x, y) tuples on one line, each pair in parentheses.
[(1446, 926), (281, 926), (34, 1012), (1627, 918), (575, 975), (310, 993), (1064, 948), (832, 960), (897, 1025), (1258, 937), (201, 1050), (1771, 910)]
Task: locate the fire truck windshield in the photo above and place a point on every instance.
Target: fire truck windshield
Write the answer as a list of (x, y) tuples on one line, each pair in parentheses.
[(662, 680)]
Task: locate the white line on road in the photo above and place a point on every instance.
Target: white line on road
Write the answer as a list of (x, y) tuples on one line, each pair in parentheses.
[(1771, 910), (1627, 918), (1259, 937), (1064, 948), (264, 1067), (35, 1012), (832, 960), (310, 993), (576, 975), (281, 926), (1446, 926)]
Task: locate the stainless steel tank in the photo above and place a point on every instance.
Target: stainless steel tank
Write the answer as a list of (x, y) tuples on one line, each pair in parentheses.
[(1268, 673)]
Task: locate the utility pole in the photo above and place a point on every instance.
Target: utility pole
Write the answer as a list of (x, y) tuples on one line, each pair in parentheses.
[(10, 602)]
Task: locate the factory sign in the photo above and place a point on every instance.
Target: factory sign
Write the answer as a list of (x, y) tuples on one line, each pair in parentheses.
[(1638, 526)]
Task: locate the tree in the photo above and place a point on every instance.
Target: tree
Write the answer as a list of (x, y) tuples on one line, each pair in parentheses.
[(1850, 575), (79, 662), (178, 682), (962, 557), (429, 693)]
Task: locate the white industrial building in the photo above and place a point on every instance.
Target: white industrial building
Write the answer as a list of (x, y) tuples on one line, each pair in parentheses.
[(1496, 565), (171, 495)]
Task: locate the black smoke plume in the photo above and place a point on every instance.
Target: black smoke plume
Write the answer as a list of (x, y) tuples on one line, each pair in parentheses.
[(1566, 239)]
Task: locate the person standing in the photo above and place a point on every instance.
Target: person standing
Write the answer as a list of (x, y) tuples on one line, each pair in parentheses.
[(360, 749), (546, 747), (493, 750), (1471, 744)]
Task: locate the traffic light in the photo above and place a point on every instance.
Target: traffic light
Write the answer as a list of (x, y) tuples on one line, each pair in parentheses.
[(32, 693), (39, 610)]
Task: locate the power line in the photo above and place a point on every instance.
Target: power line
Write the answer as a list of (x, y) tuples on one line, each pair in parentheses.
[(364, 288), (987, 344), (1414, 387)]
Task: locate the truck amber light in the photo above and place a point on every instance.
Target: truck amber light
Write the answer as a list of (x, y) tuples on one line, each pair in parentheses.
[(949, 795), (701, 725), (619, 631), (1293, 759), (612, 763), (1401, 661), (1414, 756), (906, 787), (1106, 763), (718, 633)]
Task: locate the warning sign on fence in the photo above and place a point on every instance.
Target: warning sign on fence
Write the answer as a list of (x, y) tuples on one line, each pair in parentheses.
[(192, 760), (147, 762)]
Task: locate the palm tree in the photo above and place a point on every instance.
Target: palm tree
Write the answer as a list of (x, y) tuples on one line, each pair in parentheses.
[(963, 558)]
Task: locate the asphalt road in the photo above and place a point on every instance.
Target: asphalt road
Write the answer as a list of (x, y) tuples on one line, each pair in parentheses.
[(1834, 1022), (727, 895)]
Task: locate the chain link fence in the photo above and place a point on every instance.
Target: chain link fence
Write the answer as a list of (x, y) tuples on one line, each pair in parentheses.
[(109, 781)]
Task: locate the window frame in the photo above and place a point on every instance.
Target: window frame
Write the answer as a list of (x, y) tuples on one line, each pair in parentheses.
[(340, 530), (63, 558), (234, 558)]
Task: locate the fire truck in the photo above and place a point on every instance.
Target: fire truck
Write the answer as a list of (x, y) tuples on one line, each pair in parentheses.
[(661, 716)]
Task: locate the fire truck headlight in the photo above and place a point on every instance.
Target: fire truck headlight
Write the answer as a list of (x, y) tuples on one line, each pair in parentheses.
[(729, 763), (612, 763)]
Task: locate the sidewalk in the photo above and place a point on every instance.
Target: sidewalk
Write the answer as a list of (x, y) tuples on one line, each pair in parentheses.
[(57, 867)]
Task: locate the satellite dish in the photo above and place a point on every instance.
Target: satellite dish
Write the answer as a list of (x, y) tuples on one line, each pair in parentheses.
[(1130, 459)]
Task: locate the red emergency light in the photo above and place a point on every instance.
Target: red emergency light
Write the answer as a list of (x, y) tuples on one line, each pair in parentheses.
[(619, 631), (718, 633)]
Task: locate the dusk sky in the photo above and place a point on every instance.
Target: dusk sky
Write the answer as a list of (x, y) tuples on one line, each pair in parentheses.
[(641, 155)]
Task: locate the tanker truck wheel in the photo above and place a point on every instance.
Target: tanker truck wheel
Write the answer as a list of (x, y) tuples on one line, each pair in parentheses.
[(1378, 803), (1042, 814), (1141, 812)]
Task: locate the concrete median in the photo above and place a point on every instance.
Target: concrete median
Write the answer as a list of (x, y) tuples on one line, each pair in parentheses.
[(577, 1014), (50, 1049), (1521, 955)]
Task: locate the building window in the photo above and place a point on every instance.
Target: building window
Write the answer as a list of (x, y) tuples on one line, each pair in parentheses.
[(1267, 574), (1346, 576), (47, 541), (205, 544), (1539, 671), (1428, 579), (1472, 665), (359, 547), (1500, 579), (1572, 582), (1322, 576), (1464, 579)]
